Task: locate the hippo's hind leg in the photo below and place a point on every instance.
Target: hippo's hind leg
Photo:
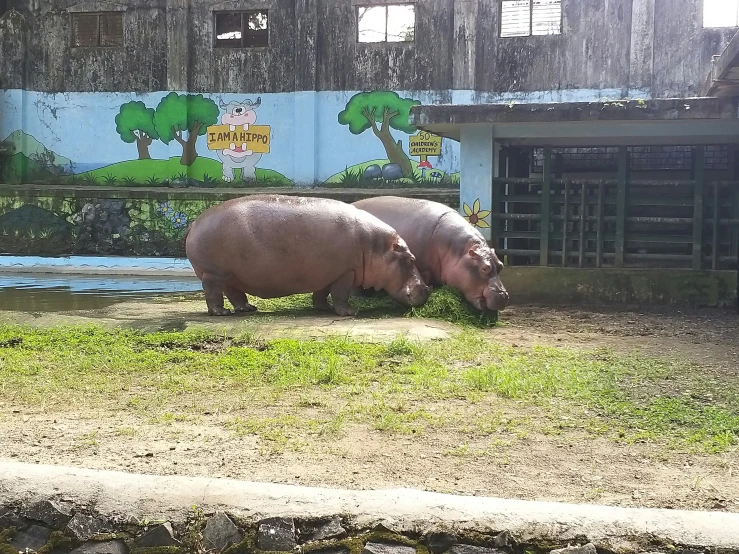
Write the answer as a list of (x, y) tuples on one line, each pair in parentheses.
[(239, 300), (340, 291), (213, 287)]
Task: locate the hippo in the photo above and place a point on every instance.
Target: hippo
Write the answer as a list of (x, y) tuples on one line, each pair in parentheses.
[(239, 156), (275, 245), (448, 249)]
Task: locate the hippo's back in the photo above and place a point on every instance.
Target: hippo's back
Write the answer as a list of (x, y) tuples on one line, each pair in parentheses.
[(276, 243)]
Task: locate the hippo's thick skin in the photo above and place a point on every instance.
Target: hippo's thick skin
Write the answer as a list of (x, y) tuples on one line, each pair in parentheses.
[(448, 249), (273, 245)]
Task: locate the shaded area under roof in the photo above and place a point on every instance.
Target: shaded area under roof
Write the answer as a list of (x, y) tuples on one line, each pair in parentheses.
[(723, 78), (613, 123)]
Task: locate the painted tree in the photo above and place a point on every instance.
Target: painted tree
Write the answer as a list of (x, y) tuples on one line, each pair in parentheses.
[(178, 114), (368, 109), (135, 123)]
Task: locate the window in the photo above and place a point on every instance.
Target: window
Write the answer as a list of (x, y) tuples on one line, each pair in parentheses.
[(97, 29), (523, 18), (389, 23), (242, 29), (721, 13)]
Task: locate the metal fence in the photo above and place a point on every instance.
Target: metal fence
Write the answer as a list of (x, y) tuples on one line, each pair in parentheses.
[(620, 222)]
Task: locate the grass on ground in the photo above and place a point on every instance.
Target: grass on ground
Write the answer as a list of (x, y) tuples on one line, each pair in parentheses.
[(466, 384)]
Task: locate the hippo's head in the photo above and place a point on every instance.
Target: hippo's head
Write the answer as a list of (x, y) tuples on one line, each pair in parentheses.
[(477, 276), (401, 278), (240, 113)]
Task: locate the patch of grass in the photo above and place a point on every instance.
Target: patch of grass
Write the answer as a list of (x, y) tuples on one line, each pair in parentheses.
[(466, 384)]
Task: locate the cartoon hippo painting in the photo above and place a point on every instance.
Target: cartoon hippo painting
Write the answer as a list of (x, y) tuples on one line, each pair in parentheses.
[(238, 156)]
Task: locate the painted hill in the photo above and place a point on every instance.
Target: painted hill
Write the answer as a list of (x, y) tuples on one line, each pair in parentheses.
[(154, 172), (30, 147), (20, 169)]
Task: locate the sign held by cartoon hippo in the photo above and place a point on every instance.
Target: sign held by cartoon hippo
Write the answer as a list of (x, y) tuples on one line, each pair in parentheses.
[(238, 142)]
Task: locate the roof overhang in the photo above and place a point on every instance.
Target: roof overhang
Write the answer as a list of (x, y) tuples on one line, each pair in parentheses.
[(619, 123), (723, 78)]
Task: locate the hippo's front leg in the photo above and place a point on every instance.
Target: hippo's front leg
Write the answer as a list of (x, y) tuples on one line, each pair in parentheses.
[(340, 291)]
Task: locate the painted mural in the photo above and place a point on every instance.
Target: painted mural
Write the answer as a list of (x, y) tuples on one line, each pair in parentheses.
[(173, 139)]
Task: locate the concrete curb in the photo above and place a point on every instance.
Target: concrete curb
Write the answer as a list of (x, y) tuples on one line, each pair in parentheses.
[(401, 510)]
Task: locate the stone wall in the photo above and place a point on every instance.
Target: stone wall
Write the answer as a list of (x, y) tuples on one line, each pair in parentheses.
[(59, 527)]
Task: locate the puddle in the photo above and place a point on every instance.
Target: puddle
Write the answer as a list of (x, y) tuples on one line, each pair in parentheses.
[(61, 293)]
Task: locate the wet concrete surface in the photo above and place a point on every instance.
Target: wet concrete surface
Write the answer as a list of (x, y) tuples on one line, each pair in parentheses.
[(35, 293)]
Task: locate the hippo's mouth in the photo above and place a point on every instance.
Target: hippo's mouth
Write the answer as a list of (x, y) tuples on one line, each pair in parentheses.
[(237, 149)]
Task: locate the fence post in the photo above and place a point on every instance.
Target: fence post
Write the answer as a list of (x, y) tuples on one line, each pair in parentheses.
[(546, 188), (564, 223), (623, 176), (583, 210), (599, 228), (698, 178), (716, 212)]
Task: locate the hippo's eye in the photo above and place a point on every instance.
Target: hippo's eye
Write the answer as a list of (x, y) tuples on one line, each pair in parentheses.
[(486, 268)]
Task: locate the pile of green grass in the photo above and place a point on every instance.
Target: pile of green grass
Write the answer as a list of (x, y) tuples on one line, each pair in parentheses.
[(445, 304)]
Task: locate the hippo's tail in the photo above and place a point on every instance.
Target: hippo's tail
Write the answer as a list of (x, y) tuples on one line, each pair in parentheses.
[(184, 237)]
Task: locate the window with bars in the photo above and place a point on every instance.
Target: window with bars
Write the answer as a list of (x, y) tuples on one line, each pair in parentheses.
[(104, 29), (523, 18), (721, 13), (387, 23), (248, 29)]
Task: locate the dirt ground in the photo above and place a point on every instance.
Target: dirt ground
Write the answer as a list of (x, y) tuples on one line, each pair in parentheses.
[(570, 467)]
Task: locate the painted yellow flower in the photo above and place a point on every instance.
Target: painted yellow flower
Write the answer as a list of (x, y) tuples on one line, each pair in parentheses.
[(475, 215)]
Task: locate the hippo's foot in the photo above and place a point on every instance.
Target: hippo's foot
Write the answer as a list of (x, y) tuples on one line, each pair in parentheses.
[(219, 311), (239, 300), (228, 178)]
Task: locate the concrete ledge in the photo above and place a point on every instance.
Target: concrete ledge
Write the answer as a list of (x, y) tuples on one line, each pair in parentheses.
[(554, 285), (115, 494), (97, 265)]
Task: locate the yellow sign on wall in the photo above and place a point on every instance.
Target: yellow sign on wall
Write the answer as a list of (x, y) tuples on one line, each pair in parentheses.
[(257, 138), (425, 144)]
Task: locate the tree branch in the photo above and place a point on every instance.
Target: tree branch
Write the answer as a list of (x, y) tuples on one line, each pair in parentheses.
[(387, 115), (177, 134), (370, 116)]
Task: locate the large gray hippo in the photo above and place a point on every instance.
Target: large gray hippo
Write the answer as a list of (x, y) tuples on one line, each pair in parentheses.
[(448, 250), (275, 245)]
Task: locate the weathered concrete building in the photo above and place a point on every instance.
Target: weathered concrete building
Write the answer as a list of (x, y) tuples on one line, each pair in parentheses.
[(121, 117)]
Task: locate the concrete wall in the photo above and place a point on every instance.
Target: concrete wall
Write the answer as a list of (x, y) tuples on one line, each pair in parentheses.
[(613, 46)]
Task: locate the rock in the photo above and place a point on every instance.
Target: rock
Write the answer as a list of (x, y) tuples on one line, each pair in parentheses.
[(330, 530), (372, 172), (220, 532), (440, 542), (83, 527), (9, 518), (161, 535), (502, 539), (53, 514), (392, 172), (32, 538), (386, 548), (108, 547), (277, 534), (586, 549), (467, 549)]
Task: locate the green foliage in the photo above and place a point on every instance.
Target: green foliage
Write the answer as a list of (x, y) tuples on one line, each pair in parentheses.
[(448, 304), (367, 107), (135, 116), (177, 113)]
